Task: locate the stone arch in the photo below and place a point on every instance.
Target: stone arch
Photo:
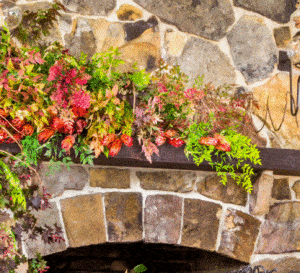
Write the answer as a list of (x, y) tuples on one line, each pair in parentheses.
[(119, 205)]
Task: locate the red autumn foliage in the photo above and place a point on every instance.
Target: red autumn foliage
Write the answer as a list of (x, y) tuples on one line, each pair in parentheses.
[(223, 147), (80, 125), (170, 133), (127, 140), (18, 123), (68, 143), (57, 124), (46, 134), (79, 111), (3, 113), (160, 140), (16, 137), (115, 147), (27, 130), (176, 142), (3, 136), (107, 140), (208, 141)]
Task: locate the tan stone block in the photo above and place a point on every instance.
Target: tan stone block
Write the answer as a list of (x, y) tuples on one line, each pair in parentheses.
[(124, 216), (175, 42), (276, 89), (84, 220), (110, 178), (239, 235), (129, 13), (260, 199), (178, 181), (200, 224), (107, 34), (296, 188)]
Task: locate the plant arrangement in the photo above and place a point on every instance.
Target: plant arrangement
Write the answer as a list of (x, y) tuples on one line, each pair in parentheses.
[(49, 98)]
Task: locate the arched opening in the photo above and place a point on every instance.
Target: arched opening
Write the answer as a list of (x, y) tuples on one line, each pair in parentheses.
[(119, 257)]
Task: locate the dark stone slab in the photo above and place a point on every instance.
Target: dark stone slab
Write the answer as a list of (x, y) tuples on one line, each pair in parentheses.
[(230, 193), (214, 65), (252, 48), (90, 7), (281, 189), (200, 224), (83, 217), (110, 178), (56, 183), (176, 181), (134, 30), (162, 221), (277, 10), (48, 217), (239, 235), (124, 216), (281, 228), (206, 18)]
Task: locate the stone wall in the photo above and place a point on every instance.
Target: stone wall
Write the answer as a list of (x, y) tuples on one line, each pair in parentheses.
[(98, 205), (230, 41)]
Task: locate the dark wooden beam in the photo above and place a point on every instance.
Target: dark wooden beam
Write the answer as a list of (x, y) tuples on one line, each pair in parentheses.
[(281, 161)]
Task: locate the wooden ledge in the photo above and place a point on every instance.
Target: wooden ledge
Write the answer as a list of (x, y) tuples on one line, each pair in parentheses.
[(280, 161)]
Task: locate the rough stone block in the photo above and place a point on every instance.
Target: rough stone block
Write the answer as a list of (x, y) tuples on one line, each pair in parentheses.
[(200, 224), (277, 10), (282, 36), (239, 235), (215, 64), (56, 183), (208, 18), (253, 49), (48, 217), (283, 265), (176, 181), (90, 7), (260, 198), (296, 188), (280, 233), (124, 216), (281, 189), (110, 178), (162, 222), (84, 219), (230, 193)]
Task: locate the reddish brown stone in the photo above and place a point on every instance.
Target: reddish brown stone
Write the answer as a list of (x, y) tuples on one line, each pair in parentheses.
[(200, 224), (239, 235), (178, 181), (230, 193), (124, 216), (162, 222), (283, 265), (84, 219), (280, 233), (110, 178)]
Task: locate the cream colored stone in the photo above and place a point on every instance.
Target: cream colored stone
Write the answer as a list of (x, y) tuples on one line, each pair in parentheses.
[(277, 89), (175, 42)]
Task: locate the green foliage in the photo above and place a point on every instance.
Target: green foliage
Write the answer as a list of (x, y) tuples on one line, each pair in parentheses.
[(102, 69), (139, 268), (241, 154), (85, 154), (38, 264), (13, 189)]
